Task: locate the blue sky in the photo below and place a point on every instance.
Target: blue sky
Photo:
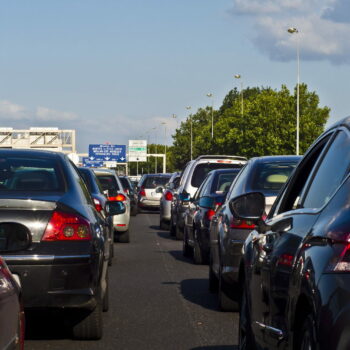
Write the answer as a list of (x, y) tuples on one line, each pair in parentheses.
[(115, 69)]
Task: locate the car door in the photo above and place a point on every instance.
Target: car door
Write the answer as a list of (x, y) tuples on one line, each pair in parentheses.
[(290, 223)]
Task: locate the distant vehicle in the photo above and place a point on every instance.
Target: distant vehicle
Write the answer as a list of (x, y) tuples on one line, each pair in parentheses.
[(130, 190), (100, 200), (113, 188), (11, 310), (64, 266), (150, 190), (166, 200), (209, 196), (295, 270), (227, 233), (192, 177)]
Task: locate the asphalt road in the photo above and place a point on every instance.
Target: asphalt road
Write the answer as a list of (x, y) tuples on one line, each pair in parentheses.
[(158, 300)]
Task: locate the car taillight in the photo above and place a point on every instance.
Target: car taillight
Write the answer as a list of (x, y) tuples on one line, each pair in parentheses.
[(209, 214), (119, 198), (98, 205), (67, 227), (285, 260), (142, 192), (168, 196), (242, 224)]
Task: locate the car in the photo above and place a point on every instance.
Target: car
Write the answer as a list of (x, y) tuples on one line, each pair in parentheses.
[(192, 177), (209, 196), (113, 188), (100, 201), (227, 233), (166, 199), (150, 189), (295, 270), (65, 265), (129, 189)]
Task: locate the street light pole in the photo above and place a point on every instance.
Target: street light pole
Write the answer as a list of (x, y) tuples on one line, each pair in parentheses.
[(293, 30), (238, 76), (164, 168), (188, 108), (212, 114)]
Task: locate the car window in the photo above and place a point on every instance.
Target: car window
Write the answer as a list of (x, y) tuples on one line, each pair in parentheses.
[(331, 172), (108, 182), (235, 189), (155, 181), (85, 175), (205, 186), (30, 174), (202, 169), (222, 182), (125, 183)]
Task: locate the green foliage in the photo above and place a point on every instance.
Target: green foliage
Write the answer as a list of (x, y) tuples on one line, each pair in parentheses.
[(267, 127)]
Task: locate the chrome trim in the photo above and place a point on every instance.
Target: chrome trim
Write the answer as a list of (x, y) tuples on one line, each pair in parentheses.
[(37, 257), (273, 330)]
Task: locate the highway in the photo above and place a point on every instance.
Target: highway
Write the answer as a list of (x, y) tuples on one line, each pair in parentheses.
[(158, 300)]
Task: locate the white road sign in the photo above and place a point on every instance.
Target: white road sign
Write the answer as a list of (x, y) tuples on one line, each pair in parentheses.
[(137, 150)]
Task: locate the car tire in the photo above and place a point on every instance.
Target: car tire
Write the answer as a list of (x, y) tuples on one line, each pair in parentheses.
[(186, 249), (245, 335), (111, 254), (89, 324), (134, 211), (306, 336), (225, 301), (123, 237), (172, 228), (199, 257), (178, 233), (105, 301), (162, 224), (213, 280)]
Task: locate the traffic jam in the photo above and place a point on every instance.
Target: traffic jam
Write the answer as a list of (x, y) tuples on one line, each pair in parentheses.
[(271, 234)]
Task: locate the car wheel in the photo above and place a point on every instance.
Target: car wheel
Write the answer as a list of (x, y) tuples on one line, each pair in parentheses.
[(162, 224), (186, 249), (199, 257), (111, 254), (105, 302), (134, 211), (306, 336), (89, 324), (178, 233), (225, 301), (213, 280), (172, 228), (123, 237), (245, 334)]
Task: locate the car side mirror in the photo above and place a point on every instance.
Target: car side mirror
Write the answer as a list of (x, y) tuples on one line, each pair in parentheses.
[(159, 189), (206, 202), (185, 197), (249, 206), (115, 208), (14, 237)]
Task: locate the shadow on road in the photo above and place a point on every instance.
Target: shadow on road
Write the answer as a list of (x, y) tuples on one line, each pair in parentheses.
[(165, 235), (149, 211), (196, 291), (177, 254), (218, 347)]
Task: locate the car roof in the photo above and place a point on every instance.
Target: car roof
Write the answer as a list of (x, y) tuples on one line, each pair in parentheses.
[(31, 152), (282, 158)]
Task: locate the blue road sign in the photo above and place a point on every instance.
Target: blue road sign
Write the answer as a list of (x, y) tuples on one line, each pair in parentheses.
[(116, 153), (92, 163)]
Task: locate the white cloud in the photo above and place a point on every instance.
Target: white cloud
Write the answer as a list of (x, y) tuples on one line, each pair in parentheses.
[(47, 114), (324, 28), (12, 111)]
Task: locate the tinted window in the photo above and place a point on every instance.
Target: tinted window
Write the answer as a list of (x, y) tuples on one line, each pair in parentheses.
[(330, 173), (86, 177), (271, 176), (125, 183), (30, 174), (222, 182), (108, 182), (201, 171), (155, 181)]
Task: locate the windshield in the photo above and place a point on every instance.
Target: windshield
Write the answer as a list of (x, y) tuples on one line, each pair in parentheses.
[(108, 182)]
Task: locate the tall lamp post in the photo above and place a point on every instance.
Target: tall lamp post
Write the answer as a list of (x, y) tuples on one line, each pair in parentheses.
[(293, 30), (210, 95), (188, 108), (164, 123), (238, 76)]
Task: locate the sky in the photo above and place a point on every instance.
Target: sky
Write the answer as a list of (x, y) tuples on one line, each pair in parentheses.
[(116, 70)]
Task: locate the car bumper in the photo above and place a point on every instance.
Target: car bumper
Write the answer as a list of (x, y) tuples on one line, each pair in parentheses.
[(165, 211), (149, 203), (55, 281), (121, 222)]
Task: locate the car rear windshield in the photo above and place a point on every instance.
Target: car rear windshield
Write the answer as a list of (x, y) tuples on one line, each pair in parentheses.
[(155, 181), (201, 171), (125, 183), (30, 174), (271, 176), (108, 182), (222, 182)]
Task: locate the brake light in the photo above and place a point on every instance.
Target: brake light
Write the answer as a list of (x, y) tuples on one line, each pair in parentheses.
[(224, 161), (119, 198), (142, 192), (98, 205), (209, 214), (67, 227), (242, 224), (168, 196), (285, 260)]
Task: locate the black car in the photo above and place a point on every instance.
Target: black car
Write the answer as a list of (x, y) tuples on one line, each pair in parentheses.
[(210, 195), (129, 189), (100, 201), (295, 271), (65, 265), (227, 234)]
